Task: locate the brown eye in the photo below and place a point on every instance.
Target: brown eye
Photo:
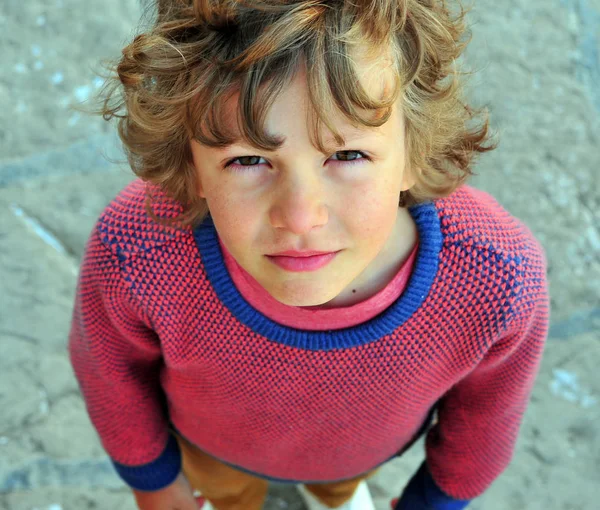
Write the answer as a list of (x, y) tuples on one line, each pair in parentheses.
[(245, 163), (345, 156), (248, 160)]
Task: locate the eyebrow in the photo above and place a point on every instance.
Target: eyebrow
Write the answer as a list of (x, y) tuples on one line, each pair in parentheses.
[(329, 142)]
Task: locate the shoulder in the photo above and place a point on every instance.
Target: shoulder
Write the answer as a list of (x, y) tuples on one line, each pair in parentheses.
[(472, 217), (501, 249), (126, 226)]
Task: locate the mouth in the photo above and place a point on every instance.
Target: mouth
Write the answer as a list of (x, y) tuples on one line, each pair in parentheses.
[(302, 261)]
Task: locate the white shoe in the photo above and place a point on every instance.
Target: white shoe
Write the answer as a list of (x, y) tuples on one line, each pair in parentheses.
[(361, 500), (206, 505)]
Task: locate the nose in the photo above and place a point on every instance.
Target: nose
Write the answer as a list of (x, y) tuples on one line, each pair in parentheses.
[(299, 205)]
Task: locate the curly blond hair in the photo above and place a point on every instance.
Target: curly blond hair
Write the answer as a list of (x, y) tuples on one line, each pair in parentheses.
[(174, 78)]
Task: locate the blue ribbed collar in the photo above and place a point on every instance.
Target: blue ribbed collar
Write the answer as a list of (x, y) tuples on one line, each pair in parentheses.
[(419, 284)]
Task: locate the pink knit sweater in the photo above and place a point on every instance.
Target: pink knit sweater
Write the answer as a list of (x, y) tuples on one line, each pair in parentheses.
[(162, 337)]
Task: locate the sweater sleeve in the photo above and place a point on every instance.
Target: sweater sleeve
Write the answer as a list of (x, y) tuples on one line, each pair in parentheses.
[(479, 418), (117, 359)]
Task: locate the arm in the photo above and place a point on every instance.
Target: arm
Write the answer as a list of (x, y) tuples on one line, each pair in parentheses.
[(177, 496), (117, 358), (479, 418)]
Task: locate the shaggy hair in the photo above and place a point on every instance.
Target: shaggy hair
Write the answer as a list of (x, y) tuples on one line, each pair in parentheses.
[(175, 77)]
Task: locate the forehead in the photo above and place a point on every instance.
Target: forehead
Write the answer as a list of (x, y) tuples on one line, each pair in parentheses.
[(292, 105)]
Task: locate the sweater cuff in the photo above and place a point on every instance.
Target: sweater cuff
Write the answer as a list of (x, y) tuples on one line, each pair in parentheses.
[(422, 493), (156, 474)]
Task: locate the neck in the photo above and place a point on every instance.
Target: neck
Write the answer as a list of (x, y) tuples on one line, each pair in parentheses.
[(384, 267)]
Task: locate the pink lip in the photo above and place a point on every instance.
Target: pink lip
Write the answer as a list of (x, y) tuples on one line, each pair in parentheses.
[(297, 253), (301, 261)]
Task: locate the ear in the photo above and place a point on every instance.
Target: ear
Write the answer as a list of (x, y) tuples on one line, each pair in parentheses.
[(408, 179), (199, 187), (195, 164)]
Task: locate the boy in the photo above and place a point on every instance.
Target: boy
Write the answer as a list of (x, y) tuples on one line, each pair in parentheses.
[(277, 301)]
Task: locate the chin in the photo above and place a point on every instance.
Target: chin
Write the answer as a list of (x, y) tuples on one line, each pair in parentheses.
[(294, 301), (302, 297)]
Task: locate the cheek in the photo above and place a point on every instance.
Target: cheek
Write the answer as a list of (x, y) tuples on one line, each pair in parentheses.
[(372, 213), (235, 220)]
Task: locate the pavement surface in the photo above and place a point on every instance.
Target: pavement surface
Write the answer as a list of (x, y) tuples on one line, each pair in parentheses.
[(538, 66)]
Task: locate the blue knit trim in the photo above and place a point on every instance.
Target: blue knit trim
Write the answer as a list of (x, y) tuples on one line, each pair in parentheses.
[(422, 493), (156, 474), (426, 267)]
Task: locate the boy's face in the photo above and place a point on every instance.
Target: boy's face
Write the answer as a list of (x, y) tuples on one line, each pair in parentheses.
[(299, 199)]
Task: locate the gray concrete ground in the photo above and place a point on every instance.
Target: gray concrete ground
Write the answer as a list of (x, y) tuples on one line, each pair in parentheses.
[(539, 69)]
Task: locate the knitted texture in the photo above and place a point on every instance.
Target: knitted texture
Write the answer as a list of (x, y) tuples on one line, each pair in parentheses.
[(160, 336)]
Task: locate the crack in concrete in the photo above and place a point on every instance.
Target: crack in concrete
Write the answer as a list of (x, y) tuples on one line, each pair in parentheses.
[(579, 323), (19, 336), (588, 67), (91, 155), (37, 227), (46, 472)]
